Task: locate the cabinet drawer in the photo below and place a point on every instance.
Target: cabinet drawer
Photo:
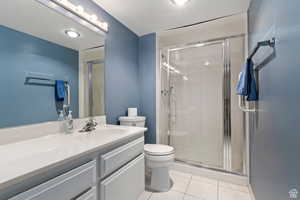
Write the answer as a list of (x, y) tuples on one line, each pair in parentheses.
[(126, 184), (89, 195), (113, 160), (67, 186)]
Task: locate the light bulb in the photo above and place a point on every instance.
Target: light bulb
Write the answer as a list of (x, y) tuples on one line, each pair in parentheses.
[(80, 9), (94, 17), (105, 26)]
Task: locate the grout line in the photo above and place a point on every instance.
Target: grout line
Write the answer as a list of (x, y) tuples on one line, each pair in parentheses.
[(235, 189), (149, 196), (188, 185), (218, 188)]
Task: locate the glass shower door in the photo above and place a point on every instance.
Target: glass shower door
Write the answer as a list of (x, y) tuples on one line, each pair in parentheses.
[(197, 82)]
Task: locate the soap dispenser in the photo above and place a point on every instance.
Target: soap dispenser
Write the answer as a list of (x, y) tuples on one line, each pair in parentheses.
[(70, 126), (61, 121)]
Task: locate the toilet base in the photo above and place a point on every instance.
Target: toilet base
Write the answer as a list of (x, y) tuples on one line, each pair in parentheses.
[(158, 180)]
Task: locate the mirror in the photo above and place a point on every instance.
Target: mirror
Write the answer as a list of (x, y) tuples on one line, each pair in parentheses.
[(40, 46)]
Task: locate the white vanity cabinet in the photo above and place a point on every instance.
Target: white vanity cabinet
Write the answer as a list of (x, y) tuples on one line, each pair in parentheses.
[(74, 185), (115, 175)]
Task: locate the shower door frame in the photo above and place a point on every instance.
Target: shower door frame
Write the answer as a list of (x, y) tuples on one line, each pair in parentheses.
[(227, 142)]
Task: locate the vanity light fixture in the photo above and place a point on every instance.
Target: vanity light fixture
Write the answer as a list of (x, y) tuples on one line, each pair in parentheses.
[(72, 34), (180, 2), (76, 12)]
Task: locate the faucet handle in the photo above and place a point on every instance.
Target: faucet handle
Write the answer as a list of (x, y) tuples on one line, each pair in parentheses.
[(89, 126)]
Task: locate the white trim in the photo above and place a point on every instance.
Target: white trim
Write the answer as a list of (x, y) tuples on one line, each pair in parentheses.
[(81, 86), (247, 115), (157, 103)]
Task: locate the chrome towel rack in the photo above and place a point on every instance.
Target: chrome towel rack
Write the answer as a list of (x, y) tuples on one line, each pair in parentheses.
[(36, 76), (271, 43), (41, 79)]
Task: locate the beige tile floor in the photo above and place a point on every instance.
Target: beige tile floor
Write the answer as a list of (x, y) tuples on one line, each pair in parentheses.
[(190, 187)]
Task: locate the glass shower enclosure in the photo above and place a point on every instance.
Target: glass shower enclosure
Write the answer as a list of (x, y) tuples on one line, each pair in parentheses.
[(199, 113)]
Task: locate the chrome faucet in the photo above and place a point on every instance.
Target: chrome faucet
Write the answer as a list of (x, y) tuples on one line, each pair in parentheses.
[(89, 126)]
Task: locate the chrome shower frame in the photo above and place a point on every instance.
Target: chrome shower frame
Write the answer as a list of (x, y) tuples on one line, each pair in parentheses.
[(90, 85), (227, 140)]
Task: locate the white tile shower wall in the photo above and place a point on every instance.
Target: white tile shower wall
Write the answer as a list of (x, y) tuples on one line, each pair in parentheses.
[(164, 108), (21, 133), (197, 105)]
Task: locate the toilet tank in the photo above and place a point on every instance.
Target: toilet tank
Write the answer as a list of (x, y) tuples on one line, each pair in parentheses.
[(138, 121)]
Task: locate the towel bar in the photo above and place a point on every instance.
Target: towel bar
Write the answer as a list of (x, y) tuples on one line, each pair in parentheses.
[(242, 106), (271, 43)]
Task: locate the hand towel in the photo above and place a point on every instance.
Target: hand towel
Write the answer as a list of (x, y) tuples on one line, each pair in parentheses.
[(247, 85), (60, 90)]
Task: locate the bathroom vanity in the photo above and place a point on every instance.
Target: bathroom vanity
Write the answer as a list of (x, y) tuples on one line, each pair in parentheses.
[(106, 164)]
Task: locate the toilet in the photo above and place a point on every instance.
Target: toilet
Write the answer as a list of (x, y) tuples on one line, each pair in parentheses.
[(158, 159)]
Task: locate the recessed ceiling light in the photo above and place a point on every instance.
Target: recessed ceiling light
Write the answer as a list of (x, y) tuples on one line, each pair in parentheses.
[(180, 2), (207, 63), (72, 33)]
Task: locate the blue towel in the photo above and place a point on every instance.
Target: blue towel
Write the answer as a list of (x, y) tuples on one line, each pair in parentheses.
[(60, 90), (247, 85)]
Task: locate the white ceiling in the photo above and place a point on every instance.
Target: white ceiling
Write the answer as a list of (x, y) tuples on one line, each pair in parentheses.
[(31, 17), (148, 16)]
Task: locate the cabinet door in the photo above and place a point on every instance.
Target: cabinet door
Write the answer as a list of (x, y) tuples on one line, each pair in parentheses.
[(67, 186), (125, 184)]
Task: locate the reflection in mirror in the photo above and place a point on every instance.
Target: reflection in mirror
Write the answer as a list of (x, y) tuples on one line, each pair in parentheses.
[(92, 61), (40, 47)]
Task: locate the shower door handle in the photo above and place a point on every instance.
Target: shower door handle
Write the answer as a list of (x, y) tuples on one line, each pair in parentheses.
[(242, 105)]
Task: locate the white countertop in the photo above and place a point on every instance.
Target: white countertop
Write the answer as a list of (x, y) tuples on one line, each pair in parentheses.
[(27, 158)]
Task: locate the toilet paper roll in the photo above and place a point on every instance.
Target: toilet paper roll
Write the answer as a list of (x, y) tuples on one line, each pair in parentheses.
[(132, 112)]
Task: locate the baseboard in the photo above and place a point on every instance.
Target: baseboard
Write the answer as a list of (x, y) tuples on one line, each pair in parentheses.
[(251, 192)]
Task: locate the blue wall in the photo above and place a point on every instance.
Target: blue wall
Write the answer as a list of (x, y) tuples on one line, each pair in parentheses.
[(147, 77), (121, 65), (21, 103), (275, 137)]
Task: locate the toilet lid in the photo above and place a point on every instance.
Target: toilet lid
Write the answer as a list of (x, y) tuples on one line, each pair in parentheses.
[(158, 149)]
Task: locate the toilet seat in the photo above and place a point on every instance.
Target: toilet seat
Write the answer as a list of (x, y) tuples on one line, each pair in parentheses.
[(158, 150)]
